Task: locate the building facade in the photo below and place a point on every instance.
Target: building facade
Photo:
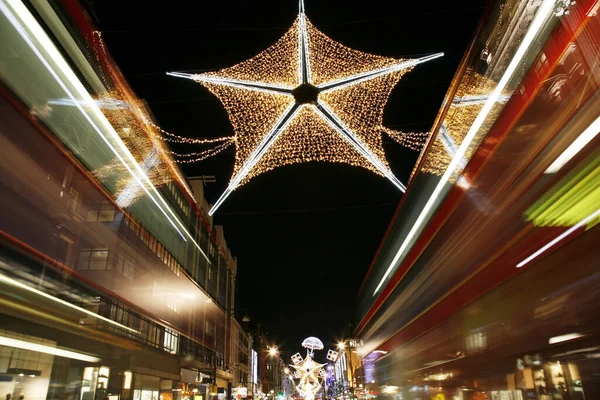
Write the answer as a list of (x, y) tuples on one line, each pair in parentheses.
[(114, 281), (241, 362)]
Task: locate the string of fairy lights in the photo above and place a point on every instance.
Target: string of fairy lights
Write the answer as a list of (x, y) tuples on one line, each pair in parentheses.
[(202, 155), (412, 140), (173, 138), (331, 60)]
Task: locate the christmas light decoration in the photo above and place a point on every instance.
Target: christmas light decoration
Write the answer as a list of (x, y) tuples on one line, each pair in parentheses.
[(332, 355), (202, 155), (171, 137), (143, 149), (308, 98), (297, 358), (312, 343), (470, 98), (412, 140), (308, 372), (131, 120)]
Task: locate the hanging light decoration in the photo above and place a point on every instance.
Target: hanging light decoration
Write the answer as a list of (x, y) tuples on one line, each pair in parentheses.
[(308, 98)]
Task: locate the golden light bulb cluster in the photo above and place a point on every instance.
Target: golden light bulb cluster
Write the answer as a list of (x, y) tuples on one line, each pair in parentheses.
[(173, 138), (200, 155), (361, 108), (323, 144), (343, 124), (277, 65), (252, 114), (412, 140), (330, 60)]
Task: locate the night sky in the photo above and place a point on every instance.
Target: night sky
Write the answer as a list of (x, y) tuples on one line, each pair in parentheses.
[(305, 234)]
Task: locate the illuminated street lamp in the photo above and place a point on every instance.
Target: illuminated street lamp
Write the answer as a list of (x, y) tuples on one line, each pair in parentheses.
[(273, 352), (341, 345)]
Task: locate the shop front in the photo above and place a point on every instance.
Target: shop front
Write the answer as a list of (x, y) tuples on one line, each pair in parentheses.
[(193, 385), (240, 392), (39, 369)]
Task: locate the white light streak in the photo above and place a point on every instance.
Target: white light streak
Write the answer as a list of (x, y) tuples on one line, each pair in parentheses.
[(559, 238), (365, 76), (564, 338), (304, 55), (41, 348), (48, 46), (23, 286), (129, 193), (102, 103), (237, 83), (544, 11), (582, 140), (351, 138), (83, 97), (300, 48), (477, 99), (258, 153)]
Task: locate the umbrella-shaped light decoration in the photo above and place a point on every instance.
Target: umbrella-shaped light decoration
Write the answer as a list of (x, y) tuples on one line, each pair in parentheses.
[(312, 343), (308, 98)]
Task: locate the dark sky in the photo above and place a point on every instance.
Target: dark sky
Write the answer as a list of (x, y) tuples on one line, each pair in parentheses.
[(305, 234)]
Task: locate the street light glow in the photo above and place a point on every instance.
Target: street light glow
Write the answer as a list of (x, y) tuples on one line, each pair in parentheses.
[(273, 351), (341, 345)]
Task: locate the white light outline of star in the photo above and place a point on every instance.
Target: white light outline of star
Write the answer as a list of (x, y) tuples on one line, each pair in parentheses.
[(321, 109)]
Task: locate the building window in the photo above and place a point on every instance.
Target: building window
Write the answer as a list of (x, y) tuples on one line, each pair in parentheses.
[(104, 213), (94, 259), (209, 328), (476, 341), (73, 202), (171, 341), (174, 305), (125, 267), (153, 244)]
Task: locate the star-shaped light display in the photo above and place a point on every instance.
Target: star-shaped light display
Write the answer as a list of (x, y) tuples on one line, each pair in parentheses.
[(308, 373), (306, 98)]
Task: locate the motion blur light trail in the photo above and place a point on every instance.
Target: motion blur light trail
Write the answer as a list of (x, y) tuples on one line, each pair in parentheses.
[(22, 344), (544, 12)]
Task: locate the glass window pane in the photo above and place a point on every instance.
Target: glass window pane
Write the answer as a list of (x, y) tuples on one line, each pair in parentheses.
[(98, 259), (106, 215), (83, 260), (92, 216)]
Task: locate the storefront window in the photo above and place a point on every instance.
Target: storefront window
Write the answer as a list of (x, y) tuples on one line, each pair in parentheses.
[(53, 372)]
